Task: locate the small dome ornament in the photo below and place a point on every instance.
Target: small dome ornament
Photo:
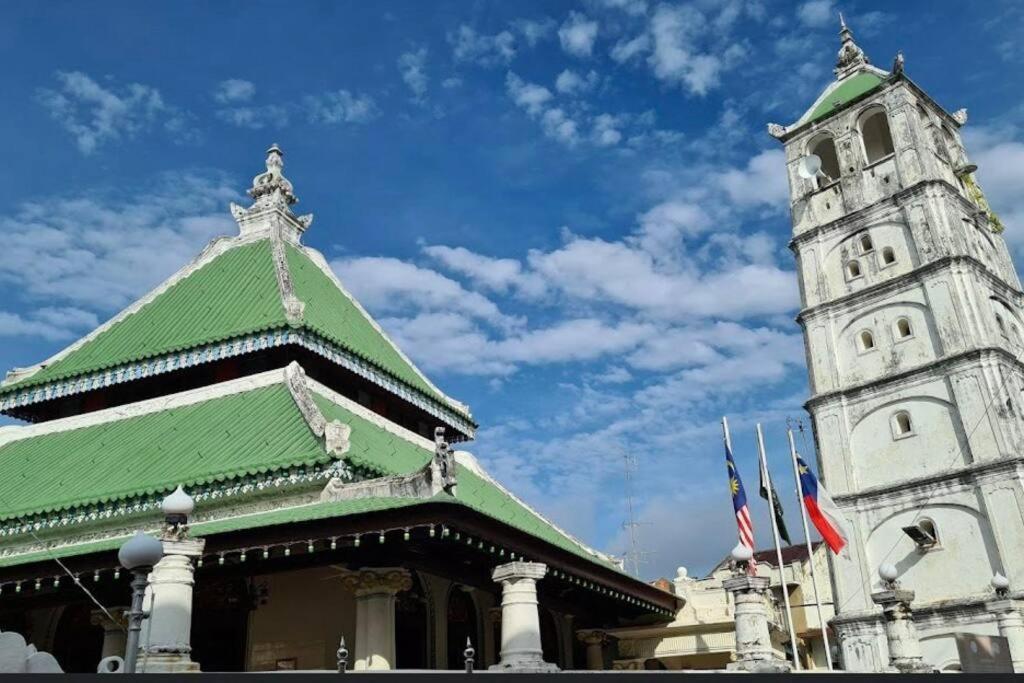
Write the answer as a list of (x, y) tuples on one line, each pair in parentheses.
[(178, 503), (1000, 583), (140, 551), (888, 573)]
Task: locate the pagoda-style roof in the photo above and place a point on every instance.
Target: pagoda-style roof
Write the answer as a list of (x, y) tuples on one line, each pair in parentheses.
[(228, 444), (258, 290)]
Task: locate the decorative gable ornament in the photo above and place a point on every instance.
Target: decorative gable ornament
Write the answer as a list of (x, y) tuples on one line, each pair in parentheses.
[(273, 197), (851, 57)]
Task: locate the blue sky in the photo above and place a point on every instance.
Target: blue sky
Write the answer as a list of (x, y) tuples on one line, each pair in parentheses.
[(568, 213)]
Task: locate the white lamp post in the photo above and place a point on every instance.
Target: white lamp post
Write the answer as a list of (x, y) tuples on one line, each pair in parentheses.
[(137, 555)]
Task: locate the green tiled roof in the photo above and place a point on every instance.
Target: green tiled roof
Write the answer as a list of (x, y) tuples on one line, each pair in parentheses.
[(331, 314), (219, 439), (847, 91), (227, 437), (234, 294)]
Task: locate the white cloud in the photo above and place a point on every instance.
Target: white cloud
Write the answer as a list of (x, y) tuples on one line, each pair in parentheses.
[(470, 46), (529, 96), (451, 83), (412, 66), (97, 252), (606, 130), (500, 275), (999, 153), (570, 82), (559, 126), (52, 324), (624, 50), (234, 90), (675, 57), (817, 13), (577, 35), (95, 115), (340, 106), (535, 30), (633, 7), (254, 117), (763, 181)]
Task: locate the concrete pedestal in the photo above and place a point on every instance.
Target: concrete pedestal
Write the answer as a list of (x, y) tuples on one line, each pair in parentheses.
[(1011, 626), (754, 651), (167, 632), (900, 633), (375, 591), (520, 621)]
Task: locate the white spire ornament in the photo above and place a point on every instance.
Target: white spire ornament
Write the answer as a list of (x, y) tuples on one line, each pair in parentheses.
[(273, 196), (851, 57)]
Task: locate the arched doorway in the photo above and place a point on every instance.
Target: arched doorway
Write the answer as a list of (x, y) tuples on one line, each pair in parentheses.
[(411, 633), (77, 644), (462, 624)]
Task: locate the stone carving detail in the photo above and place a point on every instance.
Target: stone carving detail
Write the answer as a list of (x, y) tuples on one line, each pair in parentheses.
[(384, 580), (274, 197), (335, 433), (18, 657), (444, 459), (960, 116), (776, 130), (272, 183), (293, 306), (897, 64)]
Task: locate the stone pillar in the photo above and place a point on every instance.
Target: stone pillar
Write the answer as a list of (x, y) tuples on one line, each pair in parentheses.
[(375, 591), (520, 621), (900, 633), (166, 639), (1011, 626), (595, 641), (566, 632), (115, 630), (754, 651)]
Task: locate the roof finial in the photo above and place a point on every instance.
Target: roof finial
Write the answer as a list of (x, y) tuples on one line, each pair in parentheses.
[(273, 181), (851, 57)]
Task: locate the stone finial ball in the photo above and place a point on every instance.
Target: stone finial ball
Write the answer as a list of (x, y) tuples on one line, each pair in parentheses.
[(742, 553), (178, 503), (888, 572), (1000, 582), (682, 573)]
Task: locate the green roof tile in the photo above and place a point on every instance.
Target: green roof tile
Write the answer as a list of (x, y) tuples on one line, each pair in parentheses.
[(232, 295), (222, 438), (847, 91)]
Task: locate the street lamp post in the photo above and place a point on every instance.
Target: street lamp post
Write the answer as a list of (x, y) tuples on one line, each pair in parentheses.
[(137, 555)]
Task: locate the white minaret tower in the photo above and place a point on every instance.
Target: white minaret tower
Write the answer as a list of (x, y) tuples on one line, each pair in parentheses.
[(912, 317)]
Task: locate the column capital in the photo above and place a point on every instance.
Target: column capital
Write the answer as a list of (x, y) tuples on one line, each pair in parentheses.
[(593, 636), (118, 622), (1002, 605), (188, 547), (746, 584), (377, 580), (512, 571)]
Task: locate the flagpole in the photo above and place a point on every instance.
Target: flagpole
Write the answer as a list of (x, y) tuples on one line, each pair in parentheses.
[(810, 550), (763, 458)]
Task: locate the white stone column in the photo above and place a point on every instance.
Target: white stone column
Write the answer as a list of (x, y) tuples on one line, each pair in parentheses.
[(754, 651), (165, 645), (115, 630), (900, 633), (595, 641), (375, 591), (520, 621), (1011, 626)]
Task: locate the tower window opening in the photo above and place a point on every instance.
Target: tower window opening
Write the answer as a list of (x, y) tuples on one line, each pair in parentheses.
[(888, 256), (875, 135), (903, 329), (865, 244), (902, 426), (867, 340), (825, 149), (853, 270)]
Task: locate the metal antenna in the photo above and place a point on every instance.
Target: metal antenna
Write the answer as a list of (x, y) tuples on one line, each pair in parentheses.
[(634, 555)]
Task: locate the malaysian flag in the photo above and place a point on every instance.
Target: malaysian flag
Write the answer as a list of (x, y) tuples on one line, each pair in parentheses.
[(739, 496)]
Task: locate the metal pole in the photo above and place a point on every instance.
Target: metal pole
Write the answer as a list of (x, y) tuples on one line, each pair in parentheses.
[(135, 617), (778, 546), (810, 550)]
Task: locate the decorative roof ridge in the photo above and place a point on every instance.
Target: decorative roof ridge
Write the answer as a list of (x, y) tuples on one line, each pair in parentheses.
[(273, 197), (213, 249), (334, 434), (158, 404), (365, 413), (320, 262), (293, 306), (470, 462)]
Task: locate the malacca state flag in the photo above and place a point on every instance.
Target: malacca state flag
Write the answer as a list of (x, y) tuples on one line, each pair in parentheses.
[(824, 513)]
